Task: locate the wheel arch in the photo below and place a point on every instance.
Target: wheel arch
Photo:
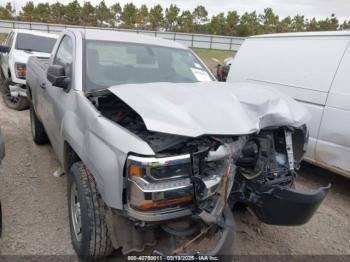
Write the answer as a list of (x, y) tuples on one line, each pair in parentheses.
[(70, 156)]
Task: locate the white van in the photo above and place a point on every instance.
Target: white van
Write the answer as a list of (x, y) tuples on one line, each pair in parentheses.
[(314, 68)]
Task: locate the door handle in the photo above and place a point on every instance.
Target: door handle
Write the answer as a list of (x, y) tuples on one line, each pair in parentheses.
[(43, 85)]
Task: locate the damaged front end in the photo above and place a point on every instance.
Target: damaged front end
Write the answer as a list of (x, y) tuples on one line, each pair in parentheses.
[(266, 171), (180, 199), (185, 194)]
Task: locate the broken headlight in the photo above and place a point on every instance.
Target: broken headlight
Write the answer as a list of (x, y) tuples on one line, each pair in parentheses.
[(155, 183)]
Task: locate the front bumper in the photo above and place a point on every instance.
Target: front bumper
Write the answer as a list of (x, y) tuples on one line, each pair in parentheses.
[(284, 206), (18, 90)]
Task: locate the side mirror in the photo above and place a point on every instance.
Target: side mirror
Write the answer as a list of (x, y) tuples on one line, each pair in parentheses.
[(57, 76), (4, 49)]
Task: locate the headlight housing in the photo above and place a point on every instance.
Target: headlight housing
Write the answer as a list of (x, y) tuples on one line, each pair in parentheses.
[(21, 70), (156, 183)]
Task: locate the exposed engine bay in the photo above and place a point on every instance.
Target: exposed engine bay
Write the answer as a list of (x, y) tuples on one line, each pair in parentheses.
[(206, 174)]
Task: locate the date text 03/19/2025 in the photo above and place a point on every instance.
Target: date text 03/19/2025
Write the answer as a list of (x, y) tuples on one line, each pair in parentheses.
[(173, 258)]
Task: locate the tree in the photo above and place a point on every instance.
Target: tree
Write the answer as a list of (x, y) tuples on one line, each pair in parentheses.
[(249, 24), (298, 23), (285, 25), (329, 24), (171, 18), (269, 21), (116, 12), (156, 17), (312, 25), (7, 12), (88, 14), (27, 12), (200, 16), (232, 22), (217, 24), (142, 17), (103, 15), (42, 13), (197, 21), (186, 22), (72, 13), (345, 25), (129, 16)]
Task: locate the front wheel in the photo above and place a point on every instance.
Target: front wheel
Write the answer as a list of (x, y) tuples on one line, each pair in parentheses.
[(88, 227), (17, 103)]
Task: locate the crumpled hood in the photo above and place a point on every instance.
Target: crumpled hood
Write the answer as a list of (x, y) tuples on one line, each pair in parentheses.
[(211, 108)]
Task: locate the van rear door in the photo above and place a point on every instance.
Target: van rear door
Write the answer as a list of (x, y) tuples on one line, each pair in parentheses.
[(301, 66)]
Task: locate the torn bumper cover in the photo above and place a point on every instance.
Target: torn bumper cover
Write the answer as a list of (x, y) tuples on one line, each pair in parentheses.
[(286, 207), (164, 189)]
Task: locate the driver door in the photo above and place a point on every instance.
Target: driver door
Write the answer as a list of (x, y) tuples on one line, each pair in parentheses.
[(55, 100)]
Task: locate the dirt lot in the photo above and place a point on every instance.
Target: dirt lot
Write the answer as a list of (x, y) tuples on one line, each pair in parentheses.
[(36, 220)]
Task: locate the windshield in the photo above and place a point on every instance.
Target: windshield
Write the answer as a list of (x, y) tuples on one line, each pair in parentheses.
[(115, 63), (35, 43)]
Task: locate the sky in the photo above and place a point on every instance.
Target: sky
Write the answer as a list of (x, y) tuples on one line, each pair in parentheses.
[(309, 8)]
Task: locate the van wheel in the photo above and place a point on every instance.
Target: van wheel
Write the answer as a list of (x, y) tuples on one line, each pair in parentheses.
[(88, 227), (37, 128), (16, 103)]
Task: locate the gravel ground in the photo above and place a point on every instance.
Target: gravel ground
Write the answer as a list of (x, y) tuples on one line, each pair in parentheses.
[(36, 220)]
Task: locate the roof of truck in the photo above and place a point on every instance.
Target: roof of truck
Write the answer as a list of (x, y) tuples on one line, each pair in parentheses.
[(34, 32), (128, 37), (306, 34)]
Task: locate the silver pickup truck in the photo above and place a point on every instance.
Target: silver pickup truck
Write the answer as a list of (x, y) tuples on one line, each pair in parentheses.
[(157, 152)]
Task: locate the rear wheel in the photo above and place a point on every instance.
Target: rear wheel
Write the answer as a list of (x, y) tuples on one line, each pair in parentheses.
[(88, 227), (17, 103), (37, 128)]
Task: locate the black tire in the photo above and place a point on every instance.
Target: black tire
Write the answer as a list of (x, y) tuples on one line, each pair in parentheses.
[(38, 131), (16, 103), (91, 241)]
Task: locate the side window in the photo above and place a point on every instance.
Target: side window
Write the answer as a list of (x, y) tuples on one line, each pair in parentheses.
[(64, 55)]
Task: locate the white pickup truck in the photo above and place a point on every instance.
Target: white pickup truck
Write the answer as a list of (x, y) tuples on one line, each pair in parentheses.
[(14, 53)]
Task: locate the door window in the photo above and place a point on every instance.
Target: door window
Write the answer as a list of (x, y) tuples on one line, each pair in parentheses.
[(64, 55)]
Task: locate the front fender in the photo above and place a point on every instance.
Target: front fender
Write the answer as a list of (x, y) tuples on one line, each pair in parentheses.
[(103, 146)]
